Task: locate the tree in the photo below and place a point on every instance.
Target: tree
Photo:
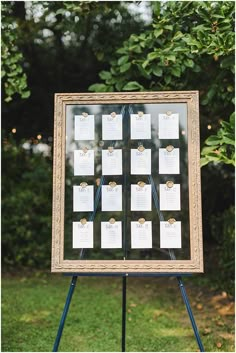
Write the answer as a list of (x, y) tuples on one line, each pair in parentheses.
[(60, 45), (13, 76)]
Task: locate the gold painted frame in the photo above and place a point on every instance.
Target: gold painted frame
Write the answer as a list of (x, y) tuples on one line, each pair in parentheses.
[(195, 264)]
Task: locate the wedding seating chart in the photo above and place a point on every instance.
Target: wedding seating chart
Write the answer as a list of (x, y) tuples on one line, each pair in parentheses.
[(126, 183)]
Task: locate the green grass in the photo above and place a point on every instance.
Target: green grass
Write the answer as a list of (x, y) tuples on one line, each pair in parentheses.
[(156, 316)]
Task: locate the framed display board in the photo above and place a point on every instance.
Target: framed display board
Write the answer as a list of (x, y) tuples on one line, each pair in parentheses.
[(126, 183)]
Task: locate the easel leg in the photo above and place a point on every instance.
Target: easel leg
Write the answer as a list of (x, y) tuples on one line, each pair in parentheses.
[(190, 313), (123, 313), (64, 314)]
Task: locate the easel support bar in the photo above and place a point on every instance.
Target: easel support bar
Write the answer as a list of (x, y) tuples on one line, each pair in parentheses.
[(190, 313), (123, 313), (64, 314)]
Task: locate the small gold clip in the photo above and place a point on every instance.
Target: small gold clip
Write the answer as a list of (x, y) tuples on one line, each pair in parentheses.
[(169, 184), (140, 114), (85, 149), (169, 148), (168, 113), (171, 220), (112, 220), (141, 148), (141, 220), (83, 221), (113, 114), (141, 184), (112, 184), (83, 184), (110, 149), (85, 114)]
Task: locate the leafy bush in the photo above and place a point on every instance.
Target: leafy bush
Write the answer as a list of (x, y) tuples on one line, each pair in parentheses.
[(221, 147), (26, 207)]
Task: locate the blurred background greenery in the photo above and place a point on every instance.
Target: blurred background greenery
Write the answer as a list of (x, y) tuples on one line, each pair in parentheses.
[(74, 46)]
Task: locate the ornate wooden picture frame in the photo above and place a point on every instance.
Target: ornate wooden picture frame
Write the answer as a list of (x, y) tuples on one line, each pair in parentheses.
[(145, 264)]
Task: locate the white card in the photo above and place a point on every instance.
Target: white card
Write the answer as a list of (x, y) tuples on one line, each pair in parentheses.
[(140, 126), (141, 235), (168, 161), (112, 162), (84, 127), (169, 126), (83, 198), (82, 235), (141, 162), (141, 198), (170, 235), (112, 127), (111, 235), (111, 198), (84, 162), (170, 197)]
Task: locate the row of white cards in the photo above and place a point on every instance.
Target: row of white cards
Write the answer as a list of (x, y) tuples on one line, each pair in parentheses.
[(140, 127), (141, 198), (141, 235), (140, 162)]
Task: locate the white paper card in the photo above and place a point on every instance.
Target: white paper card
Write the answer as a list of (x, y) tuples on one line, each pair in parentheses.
[(111, 198), (170, 197), (111, 235), (140, 126), (141, 235), (168, 161), (112, 127), (84, 127), (169, 126), (83, 198), (141, 162), (112, 162), (170, 235), (84, 162), (82, 235), (141, 198)]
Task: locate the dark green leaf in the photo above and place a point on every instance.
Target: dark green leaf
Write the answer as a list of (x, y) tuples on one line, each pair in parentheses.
[(132, 86), (125, 67), (122, 60), (158, 32)]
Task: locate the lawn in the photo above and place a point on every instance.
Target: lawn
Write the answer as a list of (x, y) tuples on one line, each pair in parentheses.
[(157, 320)]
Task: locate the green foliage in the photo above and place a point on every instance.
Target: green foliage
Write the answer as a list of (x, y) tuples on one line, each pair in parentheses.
[(223, 230), (26, 207), (13, 76), (185, 39), (221, 147)]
